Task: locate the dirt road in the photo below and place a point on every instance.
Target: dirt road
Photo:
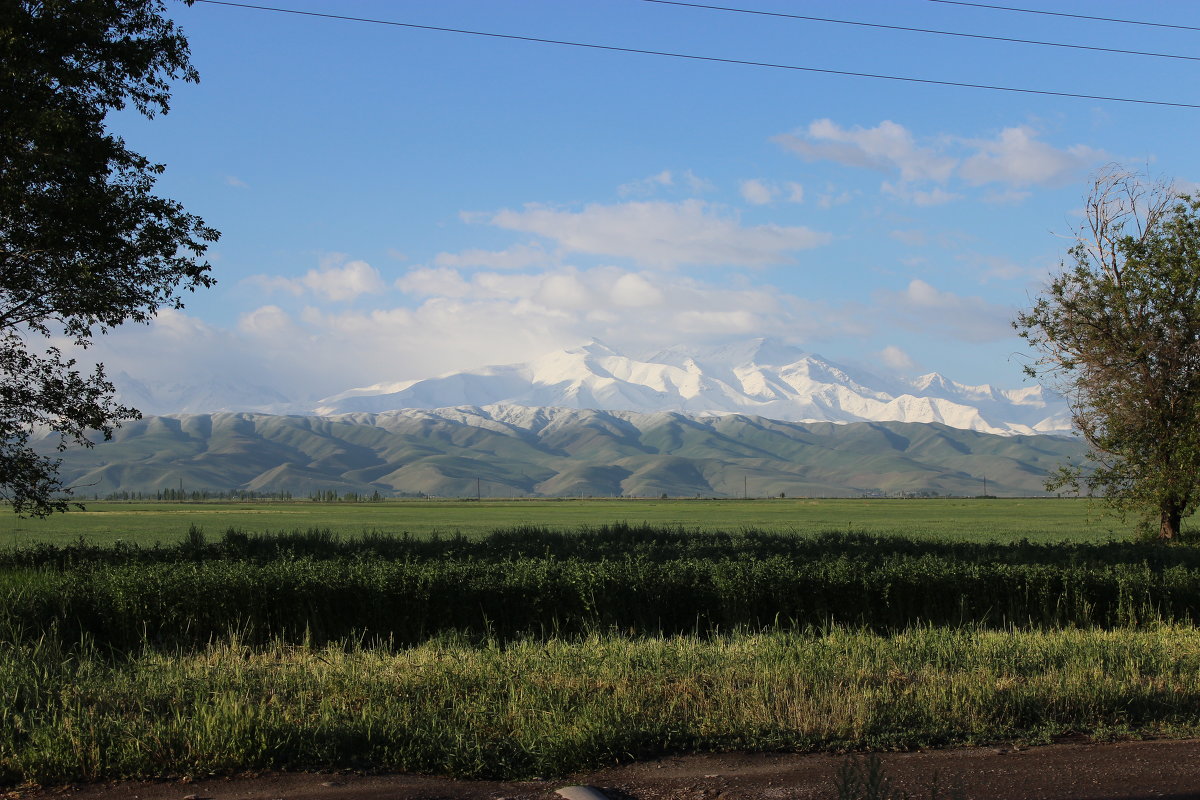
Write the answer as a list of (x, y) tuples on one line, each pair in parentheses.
[(1078, 770)]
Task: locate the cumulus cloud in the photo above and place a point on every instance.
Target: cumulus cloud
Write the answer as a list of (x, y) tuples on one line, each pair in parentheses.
[(266, 321), (662, 234), (447, 319), (436, 281), (1013, 159), (757, 192), (563, 291), (1016, 158), (925, 308), (895, 358), (742, 321), (760, 192), (632, 290), (888, 147), (334, 280)]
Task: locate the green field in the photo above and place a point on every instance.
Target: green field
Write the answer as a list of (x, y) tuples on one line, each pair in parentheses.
[(535, 652), (553, 636), (960, 519)]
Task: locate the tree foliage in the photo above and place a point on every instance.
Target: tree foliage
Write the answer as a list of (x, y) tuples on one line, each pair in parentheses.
[(1119, 331), (85, 244)]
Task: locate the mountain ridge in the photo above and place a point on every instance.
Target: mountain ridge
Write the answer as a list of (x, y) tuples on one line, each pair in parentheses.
[(515, 451), (757, 376)]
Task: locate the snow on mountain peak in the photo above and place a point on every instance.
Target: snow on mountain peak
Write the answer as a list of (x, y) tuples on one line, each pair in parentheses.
[(762, 377)]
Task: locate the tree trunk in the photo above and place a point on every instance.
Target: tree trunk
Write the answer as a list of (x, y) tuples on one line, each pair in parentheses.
[(1169, 520)]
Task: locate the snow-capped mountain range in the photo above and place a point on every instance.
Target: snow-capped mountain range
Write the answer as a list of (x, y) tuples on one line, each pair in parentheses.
[(760, 377)]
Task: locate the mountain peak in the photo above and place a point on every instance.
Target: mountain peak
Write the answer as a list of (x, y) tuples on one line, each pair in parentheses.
[(763, 351), (760, 376), (593, 347)]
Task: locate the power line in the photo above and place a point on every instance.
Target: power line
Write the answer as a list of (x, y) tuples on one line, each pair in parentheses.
[(1064, 14), (924, 30), (710, 59)]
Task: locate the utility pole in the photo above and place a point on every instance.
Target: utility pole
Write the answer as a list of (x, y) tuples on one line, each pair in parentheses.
[(745, 487), (985, 485), (477, 494)]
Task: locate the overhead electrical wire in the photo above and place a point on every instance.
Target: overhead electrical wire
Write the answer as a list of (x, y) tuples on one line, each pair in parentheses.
[(1065, 14), (693, 57), (922, 30)]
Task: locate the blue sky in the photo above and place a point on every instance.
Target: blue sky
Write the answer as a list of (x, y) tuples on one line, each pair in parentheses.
[(397, 203)]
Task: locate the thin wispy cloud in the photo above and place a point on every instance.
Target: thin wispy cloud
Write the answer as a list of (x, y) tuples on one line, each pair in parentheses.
[(663, 234), (1012, 159)]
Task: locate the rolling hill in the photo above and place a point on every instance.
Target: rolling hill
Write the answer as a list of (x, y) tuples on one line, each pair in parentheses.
[(520, 451)]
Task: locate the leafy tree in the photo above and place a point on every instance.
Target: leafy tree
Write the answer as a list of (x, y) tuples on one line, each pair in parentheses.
[(1119, 330), (85, 245)]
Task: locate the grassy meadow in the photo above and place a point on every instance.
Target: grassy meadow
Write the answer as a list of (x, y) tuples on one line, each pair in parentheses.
[(970, 519), (537, 638)]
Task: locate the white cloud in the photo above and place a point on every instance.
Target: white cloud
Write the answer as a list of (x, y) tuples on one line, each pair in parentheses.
[(888, 147), (919, 197), (1013, 159), (459, 320), (738, 322), (564, 291), (895, 358), (236, 182), (1016, 158), (757, 192), (696, 184), (646, 186), (431, 282), (520, 256), (632, 290), (265, 321), (333, 281), (662, 234), (760, 192), (925, 308)]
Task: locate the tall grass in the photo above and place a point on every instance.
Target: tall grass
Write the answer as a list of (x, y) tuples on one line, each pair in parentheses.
[(549, 707), (187, 603), (536, 652)]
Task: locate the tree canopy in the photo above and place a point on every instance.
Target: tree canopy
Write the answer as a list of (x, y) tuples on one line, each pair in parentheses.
[(1119, 331), (85, 244)]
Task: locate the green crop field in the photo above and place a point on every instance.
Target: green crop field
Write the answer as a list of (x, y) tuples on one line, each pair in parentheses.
[(960, 519), (547, 636), (536, 652)]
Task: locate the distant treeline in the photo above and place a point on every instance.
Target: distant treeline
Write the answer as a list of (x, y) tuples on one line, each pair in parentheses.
[(182, 495)]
